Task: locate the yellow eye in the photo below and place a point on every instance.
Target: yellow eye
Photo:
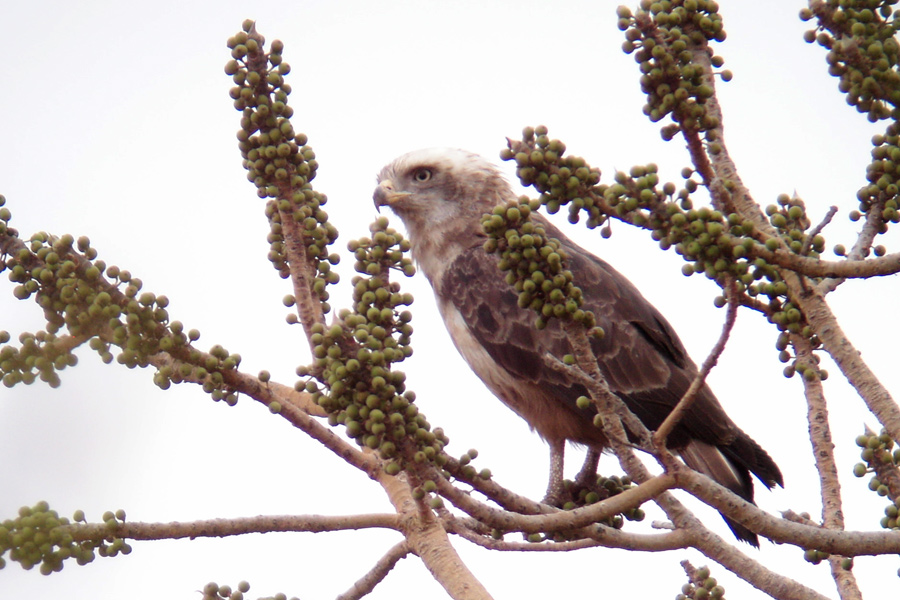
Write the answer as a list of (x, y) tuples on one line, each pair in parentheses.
[(422, 175)]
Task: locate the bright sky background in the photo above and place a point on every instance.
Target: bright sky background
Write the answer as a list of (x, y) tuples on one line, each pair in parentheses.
[(117, 125)]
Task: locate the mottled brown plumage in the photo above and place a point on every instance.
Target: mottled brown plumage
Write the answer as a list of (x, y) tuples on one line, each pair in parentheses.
[(441, 195)]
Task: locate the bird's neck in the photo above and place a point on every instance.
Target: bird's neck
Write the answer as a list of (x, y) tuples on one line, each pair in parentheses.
[(436, 248)]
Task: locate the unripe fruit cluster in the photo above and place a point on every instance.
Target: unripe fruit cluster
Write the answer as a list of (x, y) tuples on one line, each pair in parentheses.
[(39, 536), (466, 471), (863, 52), (5, 216), (883, 190), (561, 180), (880, 456), (722, 247), (354, 358), (535, 264), (67, 280), (702, 586), (105, 304), (278, 161), (603, 488), (209, 370), (667, 37), (214, 591), (809, 369)]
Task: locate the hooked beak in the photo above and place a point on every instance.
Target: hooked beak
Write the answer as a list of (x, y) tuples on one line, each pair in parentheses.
[(386, 195)]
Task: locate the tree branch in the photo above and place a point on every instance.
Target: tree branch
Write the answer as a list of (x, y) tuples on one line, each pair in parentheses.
[(823, 452), (427, 538), (229, 527), (556, 519), (782, 531), (659, 437), (376, 575), (602, 537), (848, 359)]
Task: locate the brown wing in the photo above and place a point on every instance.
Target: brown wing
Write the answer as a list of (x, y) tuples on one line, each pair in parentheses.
[(641, 357)]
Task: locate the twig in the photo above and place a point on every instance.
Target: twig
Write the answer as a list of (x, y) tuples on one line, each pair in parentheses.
[(872, 226), (492, 490), (605, 537), (659, 437), (832, 210), (378, 572), (555, 519), (587, 372)]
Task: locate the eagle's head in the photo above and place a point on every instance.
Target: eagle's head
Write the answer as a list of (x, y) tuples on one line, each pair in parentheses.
[(441, 195)]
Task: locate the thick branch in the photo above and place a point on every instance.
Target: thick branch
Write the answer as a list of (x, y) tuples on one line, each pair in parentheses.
[(782, 531), (848, 358), (426, 538), (823, 451)]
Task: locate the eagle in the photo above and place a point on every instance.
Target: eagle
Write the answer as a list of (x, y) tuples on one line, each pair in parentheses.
[(441, 195)]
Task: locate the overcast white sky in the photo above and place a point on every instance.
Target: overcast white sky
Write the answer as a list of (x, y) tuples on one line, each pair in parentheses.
[(117, 125)]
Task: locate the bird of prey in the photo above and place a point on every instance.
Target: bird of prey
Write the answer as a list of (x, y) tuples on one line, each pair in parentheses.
[(441, 195)]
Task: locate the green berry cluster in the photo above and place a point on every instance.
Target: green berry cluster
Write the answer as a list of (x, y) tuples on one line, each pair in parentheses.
[(882, 193), (809, 369), (214, 591), (466, 471), (209, 370), (278, 161), (664, 36), (355, 355), (38, 535), (789, 218), (535, 264), (561, 180), (815, 556), (862, 51), (864, 54), (881, 459), (5, 216), (722, 247), (603, 488), (67, 280), (714, 244), (702, 586), (102, 304), (274, 156), (41, 355)]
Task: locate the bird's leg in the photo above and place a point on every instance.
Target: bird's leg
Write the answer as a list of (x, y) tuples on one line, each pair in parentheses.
[(587, 476), (556, 493)]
